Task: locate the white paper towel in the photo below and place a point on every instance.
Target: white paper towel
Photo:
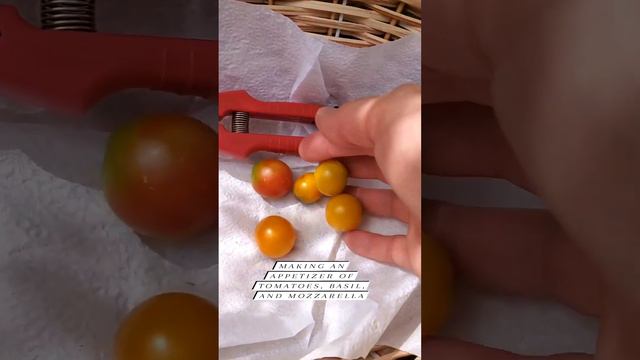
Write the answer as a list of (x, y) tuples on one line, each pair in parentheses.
[(301, 329), (267, 55), (69, 269)]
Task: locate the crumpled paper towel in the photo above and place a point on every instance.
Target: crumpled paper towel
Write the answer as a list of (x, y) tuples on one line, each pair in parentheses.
[(267, 55), (70, 270)]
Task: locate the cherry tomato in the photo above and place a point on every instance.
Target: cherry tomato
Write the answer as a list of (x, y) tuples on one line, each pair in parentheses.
[(160, 176), (438, 278), (275, 236), (331, 177), (171, 326), (305, 189), (344, 212), (271, 178)]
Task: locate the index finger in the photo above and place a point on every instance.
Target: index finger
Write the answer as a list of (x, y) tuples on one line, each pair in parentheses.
[(341, 132)]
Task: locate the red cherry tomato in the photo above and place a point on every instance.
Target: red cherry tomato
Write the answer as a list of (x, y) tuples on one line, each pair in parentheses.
[(275, 236), (271, 178), (160, 176), (172, 326)]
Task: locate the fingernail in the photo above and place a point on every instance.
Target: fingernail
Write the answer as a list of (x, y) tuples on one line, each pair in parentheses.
[(329, 108), (325, 111), (302, 148)]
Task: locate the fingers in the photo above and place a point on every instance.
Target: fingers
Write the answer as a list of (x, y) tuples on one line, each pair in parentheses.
[(388, 127), (455, 67), (463, 139), (382, 203), (317, 147), (358, 126), (398, 250), (518, 252), (342, 132), (363, 167), (443, 349), (393, 250)]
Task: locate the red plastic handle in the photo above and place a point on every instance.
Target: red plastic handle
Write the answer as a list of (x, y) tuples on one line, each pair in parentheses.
[(240, 100), (71, 71), (242, 145)]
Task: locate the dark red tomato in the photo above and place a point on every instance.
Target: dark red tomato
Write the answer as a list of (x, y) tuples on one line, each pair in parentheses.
[(172, 326), (271, 178), (160, 176)]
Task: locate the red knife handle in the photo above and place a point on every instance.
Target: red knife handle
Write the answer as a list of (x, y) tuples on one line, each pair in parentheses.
[(71, 71), (242, 145), (233, 101)]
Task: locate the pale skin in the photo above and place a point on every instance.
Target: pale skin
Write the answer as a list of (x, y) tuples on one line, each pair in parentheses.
[(544, 94), (368, 136)]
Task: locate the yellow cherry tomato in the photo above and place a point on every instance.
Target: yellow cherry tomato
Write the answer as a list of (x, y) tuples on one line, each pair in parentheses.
[(275, 236), (437, 276), (331, 177), (170, 326), (305, 189), (344, 212)]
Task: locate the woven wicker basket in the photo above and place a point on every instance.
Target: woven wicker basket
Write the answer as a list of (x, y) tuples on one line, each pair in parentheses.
[(359, 23)]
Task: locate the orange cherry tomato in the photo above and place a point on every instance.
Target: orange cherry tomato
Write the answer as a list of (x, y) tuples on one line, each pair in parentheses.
[(305, 189), (275, 236), (271, 178), (160, 176), (438, 277), (171, 326), (344, 212), (331, 177)]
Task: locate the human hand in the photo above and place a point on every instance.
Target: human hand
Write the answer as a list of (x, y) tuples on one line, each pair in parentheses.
[(378, 138), (543, 94)]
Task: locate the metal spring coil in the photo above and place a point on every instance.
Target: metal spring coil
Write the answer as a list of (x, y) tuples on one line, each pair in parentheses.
[(240, 122), (68, 15)]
